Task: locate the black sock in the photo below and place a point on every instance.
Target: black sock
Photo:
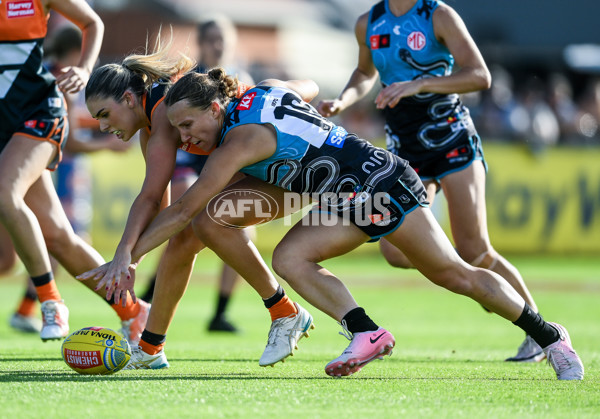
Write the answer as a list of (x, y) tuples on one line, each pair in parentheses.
[(274, 299), (533, 324), (221, 305), (357, 321), (38, 281), (31, 295), (153, 338)]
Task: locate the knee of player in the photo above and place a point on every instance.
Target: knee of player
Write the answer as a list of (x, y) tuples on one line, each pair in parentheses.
[(185, 242), (8, 202), (58, 240), (204, 227), (285, 261), (456, 278)]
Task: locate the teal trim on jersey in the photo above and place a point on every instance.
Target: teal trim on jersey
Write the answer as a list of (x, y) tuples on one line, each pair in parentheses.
[(405, 47)]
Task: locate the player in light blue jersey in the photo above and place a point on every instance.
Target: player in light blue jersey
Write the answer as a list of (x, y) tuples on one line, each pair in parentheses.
[(412, 46), (363, 193)]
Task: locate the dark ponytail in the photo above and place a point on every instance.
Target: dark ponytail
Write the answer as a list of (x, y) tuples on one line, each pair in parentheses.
[(200, 90)]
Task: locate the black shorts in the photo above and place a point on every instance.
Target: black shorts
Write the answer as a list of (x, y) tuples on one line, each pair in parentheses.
[(42, 127), (382, 212), (436, 164)]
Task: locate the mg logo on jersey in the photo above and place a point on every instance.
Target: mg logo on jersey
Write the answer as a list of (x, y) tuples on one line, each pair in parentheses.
[(246, 102), (416, 41)]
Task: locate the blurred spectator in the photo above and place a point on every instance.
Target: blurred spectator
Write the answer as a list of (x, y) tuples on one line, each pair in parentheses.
[(588, 124), (536, 123), (495, 116), (217, 40), (560, 99)]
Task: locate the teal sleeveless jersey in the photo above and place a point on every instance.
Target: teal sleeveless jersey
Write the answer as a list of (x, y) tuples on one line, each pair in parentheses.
[(404, 48), (313, 155)]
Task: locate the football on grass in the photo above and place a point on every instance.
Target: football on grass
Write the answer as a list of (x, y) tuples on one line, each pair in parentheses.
[(96, 350)]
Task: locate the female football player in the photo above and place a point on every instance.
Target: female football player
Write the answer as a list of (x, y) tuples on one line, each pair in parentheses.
[(271, 134), (33, 132), (412, 45), (128, 98)]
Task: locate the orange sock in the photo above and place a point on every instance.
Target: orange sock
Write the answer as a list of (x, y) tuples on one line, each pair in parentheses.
[(129, 311), (48, 291), (283, 308), (150, 349), (27, 307)]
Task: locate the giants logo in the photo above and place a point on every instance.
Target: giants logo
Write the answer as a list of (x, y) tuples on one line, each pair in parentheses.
[(380, 41), (246, 102), (416, 41)]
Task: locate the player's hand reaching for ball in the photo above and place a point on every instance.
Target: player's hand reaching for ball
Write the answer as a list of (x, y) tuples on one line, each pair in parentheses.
[(116, 277)]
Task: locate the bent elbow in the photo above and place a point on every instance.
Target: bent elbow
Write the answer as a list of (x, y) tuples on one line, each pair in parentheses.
[(485, 80)]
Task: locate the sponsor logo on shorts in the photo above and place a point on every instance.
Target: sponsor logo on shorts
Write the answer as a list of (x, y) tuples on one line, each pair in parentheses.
[(459, 154), (54, 102), (336, 137)]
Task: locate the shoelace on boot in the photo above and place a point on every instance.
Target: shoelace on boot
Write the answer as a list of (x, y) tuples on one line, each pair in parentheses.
[(49, 312)]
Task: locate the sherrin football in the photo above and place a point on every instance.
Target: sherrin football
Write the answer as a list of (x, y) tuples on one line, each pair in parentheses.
[(96, 350)]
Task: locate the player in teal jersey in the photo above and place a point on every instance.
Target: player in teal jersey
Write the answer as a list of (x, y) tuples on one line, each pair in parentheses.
[(412, 46), (364, 193)]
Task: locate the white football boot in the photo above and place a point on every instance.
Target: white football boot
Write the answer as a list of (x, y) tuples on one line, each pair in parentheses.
[(140, 360), (529, 351), (27, 324), (284, 336), (55, 320)]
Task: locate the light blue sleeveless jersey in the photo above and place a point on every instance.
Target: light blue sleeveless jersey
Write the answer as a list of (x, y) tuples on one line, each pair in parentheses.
[(405, 47), (313, 154)]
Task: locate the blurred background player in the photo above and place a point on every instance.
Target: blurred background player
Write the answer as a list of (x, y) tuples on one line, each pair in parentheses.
[(216, 39), (33, 132), (412, 46), (72, 179)]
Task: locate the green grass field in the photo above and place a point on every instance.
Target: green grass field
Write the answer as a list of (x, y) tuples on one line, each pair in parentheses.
[(448, 359)]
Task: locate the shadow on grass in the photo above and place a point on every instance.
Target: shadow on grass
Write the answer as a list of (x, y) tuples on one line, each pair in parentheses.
[(66, 376), (23, 359)]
